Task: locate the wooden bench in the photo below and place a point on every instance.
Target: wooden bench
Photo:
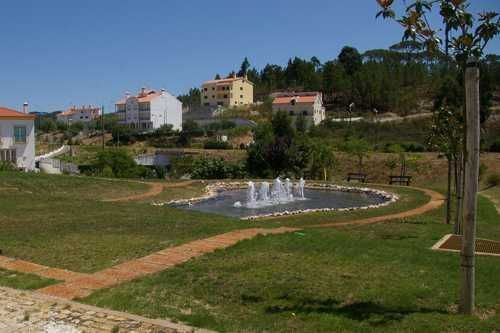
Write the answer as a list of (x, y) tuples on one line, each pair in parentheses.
[(400, 180), (356, 176)]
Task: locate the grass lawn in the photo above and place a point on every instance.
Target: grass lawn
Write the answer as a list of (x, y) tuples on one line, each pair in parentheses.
[(376, 278), (23, 281), (60, 221), (493, 194)]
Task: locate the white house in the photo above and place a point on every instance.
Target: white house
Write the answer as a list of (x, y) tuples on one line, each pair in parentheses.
[(150, 110), (17, 137), (79, 114), (308, 104)]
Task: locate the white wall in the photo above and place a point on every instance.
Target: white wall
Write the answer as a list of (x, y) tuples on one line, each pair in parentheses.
[(166, 109), (25, 152)]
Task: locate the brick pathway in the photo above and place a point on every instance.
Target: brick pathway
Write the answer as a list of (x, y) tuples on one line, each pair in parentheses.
[(82, 285), (22, 312)]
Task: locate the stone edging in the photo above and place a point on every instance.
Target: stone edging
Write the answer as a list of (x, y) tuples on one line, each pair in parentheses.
[(211, 191)]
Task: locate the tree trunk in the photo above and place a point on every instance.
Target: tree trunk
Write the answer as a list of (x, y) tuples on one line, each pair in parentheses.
[(459, 179), (324, 174), (448, 194), (471, 186)]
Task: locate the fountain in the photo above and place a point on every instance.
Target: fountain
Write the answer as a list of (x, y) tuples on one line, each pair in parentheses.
[(287, 197), (280, 193)]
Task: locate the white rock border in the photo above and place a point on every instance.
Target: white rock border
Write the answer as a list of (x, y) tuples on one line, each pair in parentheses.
[(212, 190)]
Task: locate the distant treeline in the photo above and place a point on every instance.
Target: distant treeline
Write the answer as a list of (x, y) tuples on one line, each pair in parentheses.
[(398, 79)]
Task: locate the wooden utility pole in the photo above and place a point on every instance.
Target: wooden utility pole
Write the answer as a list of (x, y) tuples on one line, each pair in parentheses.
[(471, 176), (102, 125)]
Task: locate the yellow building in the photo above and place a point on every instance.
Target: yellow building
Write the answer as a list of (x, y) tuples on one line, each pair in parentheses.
[(234, 91)]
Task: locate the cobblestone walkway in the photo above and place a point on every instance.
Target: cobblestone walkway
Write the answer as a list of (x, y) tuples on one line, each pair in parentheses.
[(25, 312)]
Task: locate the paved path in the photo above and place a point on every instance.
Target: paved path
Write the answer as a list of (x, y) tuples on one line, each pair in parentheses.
[(154, 190), (32, 313), (81, 286)]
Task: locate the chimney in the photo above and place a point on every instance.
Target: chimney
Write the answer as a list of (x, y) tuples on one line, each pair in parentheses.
[(26, 108), (127, 95), (163, 91), (143, 91)]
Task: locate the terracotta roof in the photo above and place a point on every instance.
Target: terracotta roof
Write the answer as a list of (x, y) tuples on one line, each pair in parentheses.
[(298, 99), (77, 110), (149, 96), (227, 80), (6, 113)]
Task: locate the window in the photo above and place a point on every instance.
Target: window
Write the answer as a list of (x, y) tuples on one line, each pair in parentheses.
[(8, 155), (241, 88), (241, 96), (213, 96), (225, 96), (304, 113), (290, 113), (20, 134), (206, 96), (205, 89)]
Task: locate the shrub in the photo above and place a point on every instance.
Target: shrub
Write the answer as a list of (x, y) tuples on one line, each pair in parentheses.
[(482, 170), (216, 168), (493, 180), (161, 172), (118, 163), (214, 144), (180, 166), (7, 166), (495, 146)]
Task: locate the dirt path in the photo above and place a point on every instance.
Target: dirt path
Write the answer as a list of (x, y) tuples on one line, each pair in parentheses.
[(436, 200), (154, 190)]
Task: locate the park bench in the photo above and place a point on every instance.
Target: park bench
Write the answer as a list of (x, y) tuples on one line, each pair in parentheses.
[(356, 176), (400, 180)]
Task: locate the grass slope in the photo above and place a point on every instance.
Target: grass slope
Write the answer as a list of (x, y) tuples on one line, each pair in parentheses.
[(23, 281), (60, 221), (377, 278)]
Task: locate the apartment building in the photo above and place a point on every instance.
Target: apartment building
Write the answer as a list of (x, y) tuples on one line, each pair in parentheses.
[(150, 109), (307, 104), (230, 92), (81, 114)]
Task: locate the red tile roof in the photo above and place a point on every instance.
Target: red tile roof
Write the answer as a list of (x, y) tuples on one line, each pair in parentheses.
[(298, 99), (227, 80), (6, 113), (74, 110), (148, 96)]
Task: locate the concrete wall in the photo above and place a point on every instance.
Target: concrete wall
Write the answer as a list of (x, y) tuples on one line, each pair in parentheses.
[(25, 152)]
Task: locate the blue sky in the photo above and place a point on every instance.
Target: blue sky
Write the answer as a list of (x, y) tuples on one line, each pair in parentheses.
[(56, 53)]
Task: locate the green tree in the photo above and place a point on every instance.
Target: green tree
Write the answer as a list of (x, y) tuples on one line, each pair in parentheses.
[(245, 65), (323, 160), (359, 148), (350, 58)]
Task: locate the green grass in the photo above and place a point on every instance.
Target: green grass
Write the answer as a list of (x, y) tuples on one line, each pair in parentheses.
[(60, 221), (378, 278), (22, 280)]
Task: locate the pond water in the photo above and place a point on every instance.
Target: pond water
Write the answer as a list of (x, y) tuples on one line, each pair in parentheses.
[(223, 203)]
